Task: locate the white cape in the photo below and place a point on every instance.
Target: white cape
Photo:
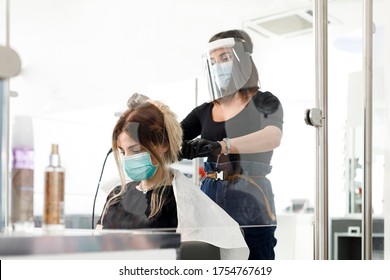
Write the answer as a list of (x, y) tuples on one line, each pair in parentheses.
[(201, 219)]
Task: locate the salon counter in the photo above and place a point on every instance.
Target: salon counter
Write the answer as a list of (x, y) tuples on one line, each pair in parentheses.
[(89, 244)]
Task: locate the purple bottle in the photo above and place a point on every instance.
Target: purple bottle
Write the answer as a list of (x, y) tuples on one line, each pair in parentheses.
[(22, 181)]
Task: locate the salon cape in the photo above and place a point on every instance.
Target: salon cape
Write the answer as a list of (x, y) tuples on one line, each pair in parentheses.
[(201, 219)]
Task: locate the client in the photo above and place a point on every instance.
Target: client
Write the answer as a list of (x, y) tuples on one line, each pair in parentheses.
[(146, 140)]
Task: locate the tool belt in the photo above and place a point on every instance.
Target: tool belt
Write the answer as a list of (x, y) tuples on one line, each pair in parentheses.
[(224, 176)]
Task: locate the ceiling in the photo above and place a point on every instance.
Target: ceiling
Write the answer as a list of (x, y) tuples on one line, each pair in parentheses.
[(90, 53)]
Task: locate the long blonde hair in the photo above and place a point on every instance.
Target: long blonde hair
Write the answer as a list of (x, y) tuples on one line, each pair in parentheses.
[(151, 124)]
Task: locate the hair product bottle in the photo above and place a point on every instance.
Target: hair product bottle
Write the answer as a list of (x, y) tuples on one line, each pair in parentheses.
[(22, 182), (53, 213)]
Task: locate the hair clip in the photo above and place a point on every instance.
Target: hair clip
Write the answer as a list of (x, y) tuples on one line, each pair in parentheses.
[(135, 100)]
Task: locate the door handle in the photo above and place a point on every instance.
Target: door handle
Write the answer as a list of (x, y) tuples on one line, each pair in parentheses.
[(313, 117)]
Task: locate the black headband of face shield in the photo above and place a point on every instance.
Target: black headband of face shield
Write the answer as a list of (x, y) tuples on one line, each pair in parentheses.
[(245, 45)]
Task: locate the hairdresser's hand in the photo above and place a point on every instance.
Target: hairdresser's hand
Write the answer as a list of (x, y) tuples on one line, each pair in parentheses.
[(199, 148)]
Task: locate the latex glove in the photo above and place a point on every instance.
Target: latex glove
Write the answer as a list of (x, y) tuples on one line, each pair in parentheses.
[(199, 147)]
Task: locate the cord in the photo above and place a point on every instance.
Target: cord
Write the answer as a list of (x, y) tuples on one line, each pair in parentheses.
[(97, 189)]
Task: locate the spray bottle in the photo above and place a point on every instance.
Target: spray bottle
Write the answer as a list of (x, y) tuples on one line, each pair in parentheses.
[(53, 213)]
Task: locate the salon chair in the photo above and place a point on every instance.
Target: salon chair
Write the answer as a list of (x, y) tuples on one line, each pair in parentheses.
[(198, 250)]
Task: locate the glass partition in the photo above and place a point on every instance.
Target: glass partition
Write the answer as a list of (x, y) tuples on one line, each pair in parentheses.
[(82, 60), (347, 130)]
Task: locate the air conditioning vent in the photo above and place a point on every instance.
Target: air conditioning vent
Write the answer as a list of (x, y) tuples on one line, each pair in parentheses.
[(282, 25)]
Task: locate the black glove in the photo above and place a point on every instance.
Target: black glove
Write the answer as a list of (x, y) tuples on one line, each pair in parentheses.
[(266, 102), (199, 147)]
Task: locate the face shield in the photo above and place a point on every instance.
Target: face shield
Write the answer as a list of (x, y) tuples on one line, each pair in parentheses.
[(228, 67)]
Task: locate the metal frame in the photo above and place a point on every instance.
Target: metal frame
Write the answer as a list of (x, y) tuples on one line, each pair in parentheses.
[(368, 90), (321, 248), (4, 144)]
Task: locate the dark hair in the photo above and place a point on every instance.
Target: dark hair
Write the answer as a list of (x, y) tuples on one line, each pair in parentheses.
[(253, 83)]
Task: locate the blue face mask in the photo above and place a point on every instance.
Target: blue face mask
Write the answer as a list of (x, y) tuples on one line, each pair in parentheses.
[(222, 73), (139, 167)]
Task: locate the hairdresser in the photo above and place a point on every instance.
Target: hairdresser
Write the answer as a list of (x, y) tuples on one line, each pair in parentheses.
[(237, 132)]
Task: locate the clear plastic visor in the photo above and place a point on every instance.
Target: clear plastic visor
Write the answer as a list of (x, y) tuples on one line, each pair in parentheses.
[(227, 67)]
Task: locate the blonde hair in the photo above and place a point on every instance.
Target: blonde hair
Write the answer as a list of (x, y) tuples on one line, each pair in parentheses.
[(152, 124)]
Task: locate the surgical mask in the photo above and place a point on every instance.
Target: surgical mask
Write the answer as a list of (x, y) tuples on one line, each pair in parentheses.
[(222, 73), (139, 167)]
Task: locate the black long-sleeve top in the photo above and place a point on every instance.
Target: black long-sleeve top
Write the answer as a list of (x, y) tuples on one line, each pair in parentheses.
[(133, 208)]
